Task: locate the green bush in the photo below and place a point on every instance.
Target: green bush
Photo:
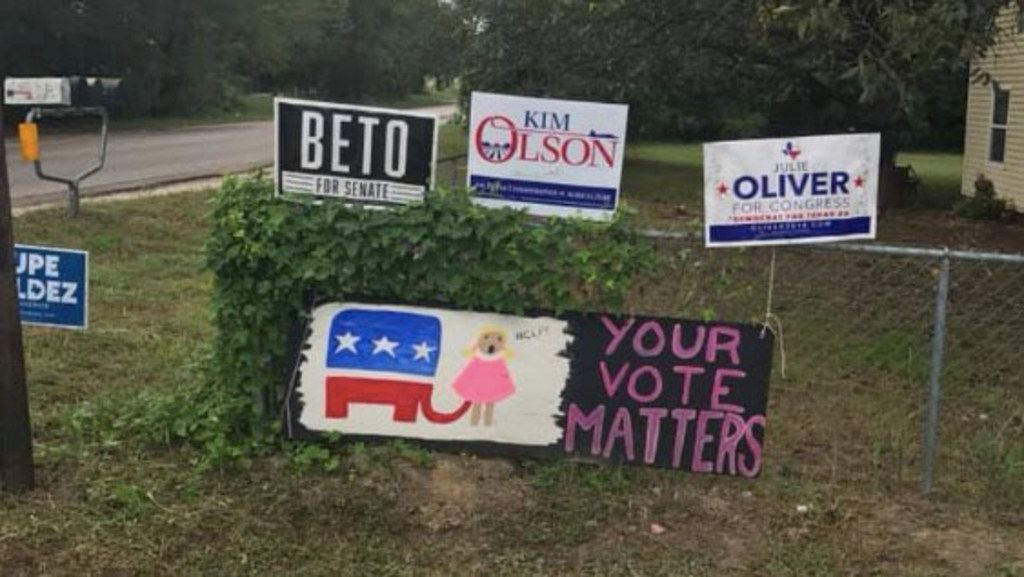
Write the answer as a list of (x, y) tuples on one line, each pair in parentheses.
[(270, 257)]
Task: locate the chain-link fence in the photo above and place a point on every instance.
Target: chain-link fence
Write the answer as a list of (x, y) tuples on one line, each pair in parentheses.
[(891, 359), (888, 356)]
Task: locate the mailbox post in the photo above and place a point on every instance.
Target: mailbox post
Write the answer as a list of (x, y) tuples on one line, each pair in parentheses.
[(62, 97), (16, 470)]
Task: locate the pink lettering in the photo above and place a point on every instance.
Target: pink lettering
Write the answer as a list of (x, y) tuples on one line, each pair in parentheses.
[(719, 390), (611, 386), (698, 464), (641, 334), (725, 339), (655, 375), (680, 350), (622, 428), (733, 430), (683, 418), (654, 415), (755, 448), (593, 422), (688, 373), (617, 333)]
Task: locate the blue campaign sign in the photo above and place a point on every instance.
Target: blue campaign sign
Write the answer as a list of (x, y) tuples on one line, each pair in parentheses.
[(53, 286)]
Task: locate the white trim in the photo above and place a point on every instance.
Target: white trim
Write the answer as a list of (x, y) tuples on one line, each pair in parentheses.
[(277, 154), (992, 126)]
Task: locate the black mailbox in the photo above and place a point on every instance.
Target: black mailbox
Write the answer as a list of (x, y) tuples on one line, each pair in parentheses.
[(90, 91)]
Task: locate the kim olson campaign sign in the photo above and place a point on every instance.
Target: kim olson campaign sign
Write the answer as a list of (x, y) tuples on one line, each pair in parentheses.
[(550, 157), (791, 190), (52, 286), (362, 155)]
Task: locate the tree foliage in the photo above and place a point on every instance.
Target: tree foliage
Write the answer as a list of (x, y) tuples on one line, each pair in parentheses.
[(699, 68), (679, 64), (872, 64), (193, 55)]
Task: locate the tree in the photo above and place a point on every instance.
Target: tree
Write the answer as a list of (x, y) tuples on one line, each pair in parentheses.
[(868, 64), (698, 68), (681, 65)]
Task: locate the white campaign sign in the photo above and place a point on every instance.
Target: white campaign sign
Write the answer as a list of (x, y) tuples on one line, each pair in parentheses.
[(550, 157), (791, 190)]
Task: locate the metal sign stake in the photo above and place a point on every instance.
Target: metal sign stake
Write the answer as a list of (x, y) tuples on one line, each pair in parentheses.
[(73, 183)]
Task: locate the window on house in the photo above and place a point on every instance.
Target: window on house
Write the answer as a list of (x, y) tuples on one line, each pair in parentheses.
[(1020, 21), (1000, 118)]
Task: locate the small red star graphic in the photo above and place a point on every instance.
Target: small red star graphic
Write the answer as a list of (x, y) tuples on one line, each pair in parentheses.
[(859, 182), (722, 189)]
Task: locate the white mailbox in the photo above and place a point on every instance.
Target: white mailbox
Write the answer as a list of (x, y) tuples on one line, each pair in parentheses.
[(37, 91)]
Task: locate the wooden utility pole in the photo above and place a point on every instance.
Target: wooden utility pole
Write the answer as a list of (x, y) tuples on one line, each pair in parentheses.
[(16, 471)]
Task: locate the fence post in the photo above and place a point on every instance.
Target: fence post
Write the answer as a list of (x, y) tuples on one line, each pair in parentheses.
[(931, 425)]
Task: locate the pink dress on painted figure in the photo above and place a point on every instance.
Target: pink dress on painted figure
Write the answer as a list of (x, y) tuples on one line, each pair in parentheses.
[(484, 380)]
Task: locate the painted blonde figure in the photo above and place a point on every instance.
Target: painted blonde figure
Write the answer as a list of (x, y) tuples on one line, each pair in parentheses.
[(485, 380)]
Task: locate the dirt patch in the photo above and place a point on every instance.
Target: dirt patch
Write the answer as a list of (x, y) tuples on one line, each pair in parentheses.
[(904, 534), (18, 563), (943, 228), (460, 490)]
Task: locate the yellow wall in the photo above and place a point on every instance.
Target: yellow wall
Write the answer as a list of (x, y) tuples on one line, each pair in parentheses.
[(1005, 64)]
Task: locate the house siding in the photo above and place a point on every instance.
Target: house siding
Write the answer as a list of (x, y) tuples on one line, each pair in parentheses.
[(1005, 65)]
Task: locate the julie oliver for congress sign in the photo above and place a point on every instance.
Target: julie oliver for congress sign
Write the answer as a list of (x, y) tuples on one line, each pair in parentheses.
[(791, 190), (550, 157), (52, 286), (362, 155)]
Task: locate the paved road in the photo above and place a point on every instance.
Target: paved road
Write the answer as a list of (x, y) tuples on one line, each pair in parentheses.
[(138, 159)]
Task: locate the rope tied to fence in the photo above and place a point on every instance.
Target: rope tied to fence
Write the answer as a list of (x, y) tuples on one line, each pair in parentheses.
[(772, 322)]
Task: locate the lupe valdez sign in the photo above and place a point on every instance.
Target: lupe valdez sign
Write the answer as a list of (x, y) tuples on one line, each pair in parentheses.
[(362, 155), (671, 393), (550, 157), (791, 190), (52, 285)]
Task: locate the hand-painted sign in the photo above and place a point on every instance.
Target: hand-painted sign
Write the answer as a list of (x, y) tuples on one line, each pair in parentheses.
[(670, 393), (791, 190), (550, 157), (362, 155), (53, 285)]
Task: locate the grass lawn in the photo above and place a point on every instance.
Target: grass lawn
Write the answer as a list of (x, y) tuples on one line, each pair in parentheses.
[(838, 495), (940, 173)]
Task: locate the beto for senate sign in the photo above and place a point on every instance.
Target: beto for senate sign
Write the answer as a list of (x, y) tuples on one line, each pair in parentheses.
[(362, 155), (550, 157), (791, 190)]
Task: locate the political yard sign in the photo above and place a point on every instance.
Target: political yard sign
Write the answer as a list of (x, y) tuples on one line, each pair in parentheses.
[(550, 157), (677, 394), (361, 155), (791, 190), (52, 285)]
